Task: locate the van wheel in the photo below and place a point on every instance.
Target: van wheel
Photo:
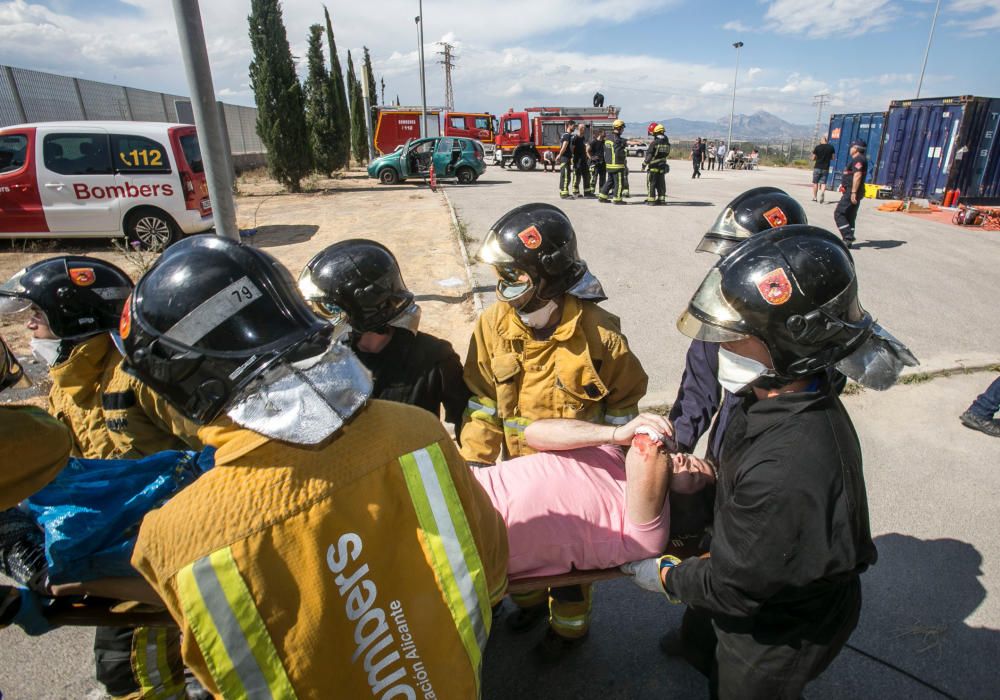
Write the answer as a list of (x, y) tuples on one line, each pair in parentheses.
[(388, 176), (466, 175), (526, 161), (151, 228)]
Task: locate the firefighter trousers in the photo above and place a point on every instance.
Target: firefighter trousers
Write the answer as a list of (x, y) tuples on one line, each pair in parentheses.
[(582, 173), (565, 174), (656, 185), (845, 215), (569, 608), (613, 188), (598, 175), (139, 663)]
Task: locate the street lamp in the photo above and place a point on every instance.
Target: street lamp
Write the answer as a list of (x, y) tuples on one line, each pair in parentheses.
[(732, 110), (927, 53), (419, 19)]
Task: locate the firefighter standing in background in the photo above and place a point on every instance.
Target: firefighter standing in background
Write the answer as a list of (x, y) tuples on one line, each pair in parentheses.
[(358, 282), (544, 350), (598, 172), (614, 163), (656, 167), (308, 546), (581, 171), (565, 158), (77, 303), (853, 187)]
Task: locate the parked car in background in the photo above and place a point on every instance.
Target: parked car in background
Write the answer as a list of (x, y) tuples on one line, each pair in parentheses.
[(635, 147), (458, 158), (142, 180)]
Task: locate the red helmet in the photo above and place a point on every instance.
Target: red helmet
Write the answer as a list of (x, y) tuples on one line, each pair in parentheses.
[(649, 129)]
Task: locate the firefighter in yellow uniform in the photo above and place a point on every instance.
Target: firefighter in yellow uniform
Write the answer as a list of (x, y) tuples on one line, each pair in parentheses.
[(544, 350), (340, 547), (615, 157), (76, 303), (657, 167)]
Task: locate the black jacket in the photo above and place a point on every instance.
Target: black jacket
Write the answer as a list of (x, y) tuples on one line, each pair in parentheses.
[(420, 370), (791, 528)]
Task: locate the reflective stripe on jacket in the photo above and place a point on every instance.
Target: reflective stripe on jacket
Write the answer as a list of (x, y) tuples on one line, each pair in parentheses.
[(614, 152), (365, 567), (585, 370)]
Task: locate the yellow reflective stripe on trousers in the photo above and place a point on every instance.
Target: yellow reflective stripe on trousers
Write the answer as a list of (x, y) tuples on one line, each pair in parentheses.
[(448, 538), (157, 679), (229, 630), (481, 408), (516, 425)]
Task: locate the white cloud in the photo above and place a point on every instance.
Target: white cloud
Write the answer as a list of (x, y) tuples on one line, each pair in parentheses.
[(736, 26), (713, 88), (823, 18), (988, 14), (753, 73)]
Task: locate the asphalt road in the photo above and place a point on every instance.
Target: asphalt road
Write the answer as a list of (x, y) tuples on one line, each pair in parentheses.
[(930, 284), (930, 627)]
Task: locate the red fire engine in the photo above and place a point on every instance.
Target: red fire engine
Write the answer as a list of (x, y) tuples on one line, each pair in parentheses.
[(523, 136)]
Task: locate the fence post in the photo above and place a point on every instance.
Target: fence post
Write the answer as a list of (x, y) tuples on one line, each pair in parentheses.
[(22, 117), (224, 127), (79, 98), (128, 104)]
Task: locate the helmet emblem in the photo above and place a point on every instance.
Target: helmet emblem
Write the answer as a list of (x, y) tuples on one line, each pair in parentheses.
[(775, 287), (82, 276), (776, 217), (531, 237), (125, 323)]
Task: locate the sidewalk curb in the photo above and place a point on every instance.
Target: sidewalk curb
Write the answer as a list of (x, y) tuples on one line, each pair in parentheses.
[(477, 297)]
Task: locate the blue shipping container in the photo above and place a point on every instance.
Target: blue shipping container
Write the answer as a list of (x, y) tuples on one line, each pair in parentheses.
[(938, 144), (845, 128)]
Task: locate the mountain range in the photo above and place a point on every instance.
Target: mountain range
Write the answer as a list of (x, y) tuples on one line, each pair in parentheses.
[(759, 125)]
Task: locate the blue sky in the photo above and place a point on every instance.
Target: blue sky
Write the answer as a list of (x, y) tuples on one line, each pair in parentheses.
[(654, 58)]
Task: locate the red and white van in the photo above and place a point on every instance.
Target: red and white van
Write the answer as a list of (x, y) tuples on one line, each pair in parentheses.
[(143, 180)]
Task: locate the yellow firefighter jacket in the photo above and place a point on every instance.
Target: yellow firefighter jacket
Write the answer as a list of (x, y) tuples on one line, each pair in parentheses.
[(36, 447), (365, 567), (585, 370), (111, 413)]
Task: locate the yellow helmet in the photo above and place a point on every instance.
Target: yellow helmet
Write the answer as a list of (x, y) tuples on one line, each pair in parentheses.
[(658, 129), (618, 124)]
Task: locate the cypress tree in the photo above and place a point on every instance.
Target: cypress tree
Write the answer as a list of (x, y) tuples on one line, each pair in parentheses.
[(338, 94), (319, 106), (281, 118), (359, 132), (370, 76)]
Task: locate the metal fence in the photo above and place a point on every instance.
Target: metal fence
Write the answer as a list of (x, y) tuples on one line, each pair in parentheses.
[(772, 151), (32, 96)]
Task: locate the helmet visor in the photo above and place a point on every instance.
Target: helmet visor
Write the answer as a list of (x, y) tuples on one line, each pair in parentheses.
[(12, 295), (11, 374), (718, 245), (491, 253), (727, 227), (709, 316), (514, 286)]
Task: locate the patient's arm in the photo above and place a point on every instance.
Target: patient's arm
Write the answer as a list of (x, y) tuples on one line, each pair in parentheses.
[(647, 477), (552, 434)]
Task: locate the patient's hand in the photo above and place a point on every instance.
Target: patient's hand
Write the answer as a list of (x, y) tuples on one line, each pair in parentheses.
[(690, 474), (623, 434)]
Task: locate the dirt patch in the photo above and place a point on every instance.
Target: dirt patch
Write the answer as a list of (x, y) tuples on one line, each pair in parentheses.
[(409, 219)]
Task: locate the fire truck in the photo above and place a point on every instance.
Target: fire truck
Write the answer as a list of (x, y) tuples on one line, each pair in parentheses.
[(522, 137), (394, 126)]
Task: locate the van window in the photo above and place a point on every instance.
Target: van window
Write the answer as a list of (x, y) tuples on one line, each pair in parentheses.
[(13, 152), (512, 125), (192, 152), (77, 154), (457, 122), (482, 123), (138, 154)]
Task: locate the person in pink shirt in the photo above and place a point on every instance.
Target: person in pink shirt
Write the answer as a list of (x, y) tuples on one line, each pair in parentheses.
[(583, 503)]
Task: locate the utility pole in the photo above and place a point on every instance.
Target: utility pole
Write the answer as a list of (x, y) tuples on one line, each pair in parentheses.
[(819, 100), (419, 19), (927, 53), (448, 62), (207, 116), (732, 110)]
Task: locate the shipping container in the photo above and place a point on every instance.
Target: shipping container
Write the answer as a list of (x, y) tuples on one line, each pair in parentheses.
[(937, 145), (845, 128)]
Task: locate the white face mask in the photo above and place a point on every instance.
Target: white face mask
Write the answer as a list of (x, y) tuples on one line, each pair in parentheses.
[(46, 349), (737, 372), (540, 317)]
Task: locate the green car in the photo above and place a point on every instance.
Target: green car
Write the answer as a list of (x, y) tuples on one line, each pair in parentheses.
[(458, 158)]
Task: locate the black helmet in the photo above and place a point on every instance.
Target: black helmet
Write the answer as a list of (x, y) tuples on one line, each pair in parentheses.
[(793, 288), (11, 373), (756, 210), (79, 296), (533, 249), (209, 317), (357, 278)]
